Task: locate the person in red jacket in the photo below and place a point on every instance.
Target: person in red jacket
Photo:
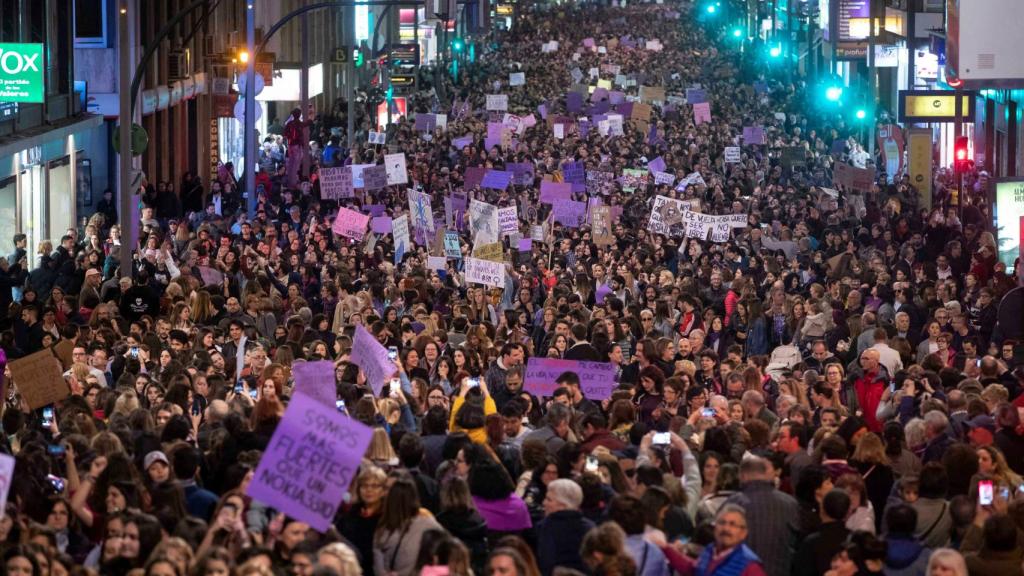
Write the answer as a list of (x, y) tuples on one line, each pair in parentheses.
[(869, 388)]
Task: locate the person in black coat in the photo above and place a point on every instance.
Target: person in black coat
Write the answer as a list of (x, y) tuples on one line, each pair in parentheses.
[(460, 518), (815, 554), (560, 534)]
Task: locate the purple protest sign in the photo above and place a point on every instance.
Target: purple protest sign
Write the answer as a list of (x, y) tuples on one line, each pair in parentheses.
[(574, 102), (525, 244), (372, 357), (598, 94), (522, 173), (460, 143), (575, 173), (543, 111), (552, 192), (597, 379), (616, 97), (381, 225), (696, 96), (588, 42), (316, 380), (493, 134), (425, 122), (656, 165), (373, 209), (310, 462), (625, 108), (497, 179), (570, 213), (601, 107), (602, 292), (753, 135)]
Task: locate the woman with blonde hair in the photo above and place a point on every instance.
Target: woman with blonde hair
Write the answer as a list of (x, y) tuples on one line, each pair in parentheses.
[(870, 460), (992, 463), (380, 451), (946, 562), (339, 557), (126, 403)]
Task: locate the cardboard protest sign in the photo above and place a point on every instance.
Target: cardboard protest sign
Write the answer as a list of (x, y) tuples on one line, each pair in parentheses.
[(667, 217), (372, 357), (517, 79), (732, 154), (853, 178), (701, 113), (493, 252), (483, 222), (396, 171), (497, 102), (652, 94), (316, 380), (597, 379), (508, 218), (601, 226), (375, 177), (641, 112), (350, 224), (39, 379), (336, 182), (310, 462), (485, 272)]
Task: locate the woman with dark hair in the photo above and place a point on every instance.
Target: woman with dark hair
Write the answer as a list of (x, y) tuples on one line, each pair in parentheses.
[(141, 535), (649, 393), (811, 487), (396, 542), (494, 494), (20, 561), (903, 461), (471, 408), (1009, 436), (507, 452), (536, 490), (459, 516)]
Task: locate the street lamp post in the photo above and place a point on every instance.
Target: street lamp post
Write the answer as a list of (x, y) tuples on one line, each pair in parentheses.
[(249, 124), (124, 211)]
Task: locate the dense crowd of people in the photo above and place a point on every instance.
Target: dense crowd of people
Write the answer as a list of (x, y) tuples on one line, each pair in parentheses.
[(828, 390)]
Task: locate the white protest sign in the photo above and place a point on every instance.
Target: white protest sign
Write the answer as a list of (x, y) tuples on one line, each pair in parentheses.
[(378, 138), (508, 218), (559, 131), (485, 272), (436, 262), (497, 102), (732, 154), (483, 221), (395, 165), (400, 231), (517, 79)]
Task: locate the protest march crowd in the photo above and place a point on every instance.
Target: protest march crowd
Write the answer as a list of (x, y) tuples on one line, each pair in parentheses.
[(653, 331)]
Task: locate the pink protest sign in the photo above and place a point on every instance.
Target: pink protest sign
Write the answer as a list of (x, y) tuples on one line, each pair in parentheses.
[(310, 462), (372, 357), (597, 379), (551, 192), (350, 224), (316, 380), (701, 113)]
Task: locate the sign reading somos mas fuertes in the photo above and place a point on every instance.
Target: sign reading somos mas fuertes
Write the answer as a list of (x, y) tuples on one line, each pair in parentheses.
[(21, 73)]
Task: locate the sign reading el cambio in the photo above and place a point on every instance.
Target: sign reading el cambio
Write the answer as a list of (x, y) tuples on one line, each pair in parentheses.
[(934, 106), (21, 73)]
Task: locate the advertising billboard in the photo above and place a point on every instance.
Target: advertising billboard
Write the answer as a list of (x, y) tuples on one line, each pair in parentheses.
[(21, 73), (1009, 219)]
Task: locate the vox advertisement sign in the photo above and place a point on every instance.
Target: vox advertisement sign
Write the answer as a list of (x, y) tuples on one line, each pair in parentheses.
[(21, 73)]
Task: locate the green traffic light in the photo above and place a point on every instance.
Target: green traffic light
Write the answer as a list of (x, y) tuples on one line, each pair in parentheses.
[(457, 45), (833, 93), (775, 51), (712, 8), (357, 57), (737, 32), (390, 94), (861, 114)]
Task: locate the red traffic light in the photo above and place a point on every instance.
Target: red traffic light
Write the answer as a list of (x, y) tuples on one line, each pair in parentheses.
[(960, 148)]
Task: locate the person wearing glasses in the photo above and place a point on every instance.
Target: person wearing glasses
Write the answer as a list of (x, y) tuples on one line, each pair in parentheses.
[(728, 554)]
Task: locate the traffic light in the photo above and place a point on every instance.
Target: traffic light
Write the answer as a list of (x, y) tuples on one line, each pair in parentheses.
[(861, 113), (775, 51), (712, 8), (358, 58), (389, 95), (962, 154), (737, 32), (833, 93), (458, 45)]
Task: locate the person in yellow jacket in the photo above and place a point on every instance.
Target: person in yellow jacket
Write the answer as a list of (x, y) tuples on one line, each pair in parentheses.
[(471, 408)]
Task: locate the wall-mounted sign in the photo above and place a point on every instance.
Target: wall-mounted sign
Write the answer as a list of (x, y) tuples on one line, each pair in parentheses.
[(21, 73), (1009, 219), (851, 51), (934, 106), (854, 19), (405, 54)]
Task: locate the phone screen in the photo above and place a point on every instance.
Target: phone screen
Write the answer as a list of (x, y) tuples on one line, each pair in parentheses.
[(985, 492), (472, 382), (392, 353), (591, 464), (662, 437), (708, 412)]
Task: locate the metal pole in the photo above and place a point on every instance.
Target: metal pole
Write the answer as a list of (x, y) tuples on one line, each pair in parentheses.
[(125, 132), (911, 41), (304, 85), (386, 77), (249, 125), (349, 32), (871, 74), (957, 198)]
